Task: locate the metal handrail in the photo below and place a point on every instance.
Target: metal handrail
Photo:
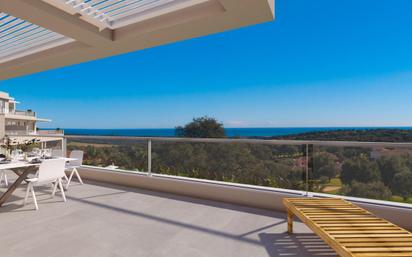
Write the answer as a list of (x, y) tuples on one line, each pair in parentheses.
[(50, 132), (24, 113)]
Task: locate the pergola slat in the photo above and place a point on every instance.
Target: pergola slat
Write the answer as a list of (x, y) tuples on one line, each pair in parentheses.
[(18, 36)]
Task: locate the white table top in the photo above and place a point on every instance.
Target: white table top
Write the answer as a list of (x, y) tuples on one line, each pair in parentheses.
[(23, 164), (15, 164)]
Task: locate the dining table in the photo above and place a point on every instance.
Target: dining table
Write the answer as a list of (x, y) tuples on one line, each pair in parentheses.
[(22, 168)]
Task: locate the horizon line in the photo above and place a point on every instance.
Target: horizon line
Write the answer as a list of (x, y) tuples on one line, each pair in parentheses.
[(283, 127)]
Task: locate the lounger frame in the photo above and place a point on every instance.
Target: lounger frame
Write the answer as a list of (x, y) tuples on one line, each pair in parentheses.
[(349, 229)]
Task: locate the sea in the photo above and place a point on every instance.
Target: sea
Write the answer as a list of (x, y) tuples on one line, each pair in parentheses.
[(230, 132)]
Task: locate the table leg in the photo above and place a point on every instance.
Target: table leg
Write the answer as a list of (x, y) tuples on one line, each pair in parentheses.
[(18, 172), (290, 222), (13, 187)]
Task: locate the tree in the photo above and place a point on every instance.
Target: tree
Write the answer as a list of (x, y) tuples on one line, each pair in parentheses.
[(325, 165), (390, 166), (373, 190), (203, 127), (402, 183), (360, 169)]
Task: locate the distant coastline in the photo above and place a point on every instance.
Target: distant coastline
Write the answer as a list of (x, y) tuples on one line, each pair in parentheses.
[(234, 132)]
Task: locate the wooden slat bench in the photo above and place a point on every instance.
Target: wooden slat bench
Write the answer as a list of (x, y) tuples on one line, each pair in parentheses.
[(349, 229)]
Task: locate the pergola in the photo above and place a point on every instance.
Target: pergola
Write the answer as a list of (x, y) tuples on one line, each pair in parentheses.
[(37, 35)]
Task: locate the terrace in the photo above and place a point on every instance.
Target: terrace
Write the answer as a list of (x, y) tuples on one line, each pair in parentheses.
[(170, 196)]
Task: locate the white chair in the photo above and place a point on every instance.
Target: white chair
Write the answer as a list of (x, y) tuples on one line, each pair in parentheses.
[(3, 176), (50, 171), (73, 165), (57, 153), (36, 151)]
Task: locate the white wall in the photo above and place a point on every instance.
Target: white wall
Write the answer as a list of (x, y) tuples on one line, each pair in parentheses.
[(258, 197)]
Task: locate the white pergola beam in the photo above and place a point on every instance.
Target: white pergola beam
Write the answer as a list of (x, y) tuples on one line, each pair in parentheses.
[(201, 19), (57, 20)]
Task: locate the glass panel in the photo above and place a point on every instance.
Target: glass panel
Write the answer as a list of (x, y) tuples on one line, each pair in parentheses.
[(383, 173), (114, 153), (280, 166)]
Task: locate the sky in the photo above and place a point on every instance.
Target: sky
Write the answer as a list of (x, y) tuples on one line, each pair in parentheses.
[(320, 63)]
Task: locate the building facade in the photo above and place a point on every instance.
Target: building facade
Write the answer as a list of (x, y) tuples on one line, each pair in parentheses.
[(15, 122)]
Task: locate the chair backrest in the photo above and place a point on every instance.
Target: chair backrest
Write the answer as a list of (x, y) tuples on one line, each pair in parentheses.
[(36, 151), (57, 153), (78, 155), (51, 169)]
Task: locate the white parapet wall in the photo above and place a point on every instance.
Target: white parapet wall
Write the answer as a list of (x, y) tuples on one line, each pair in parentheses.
[(247, 195)]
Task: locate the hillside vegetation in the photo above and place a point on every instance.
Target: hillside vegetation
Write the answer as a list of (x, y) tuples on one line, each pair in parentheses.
[(366, 135)]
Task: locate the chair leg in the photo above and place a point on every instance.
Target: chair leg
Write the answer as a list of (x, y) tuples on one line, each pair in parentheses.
[(4, 177), (70, 179), (54, 189), (73, 172), (27, 194), (34, 197), (62, 189), (78, 176)]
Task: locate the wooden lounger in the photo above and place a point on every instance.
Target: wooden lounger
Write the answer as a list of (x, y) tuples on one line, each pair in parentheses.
[(349, 229)]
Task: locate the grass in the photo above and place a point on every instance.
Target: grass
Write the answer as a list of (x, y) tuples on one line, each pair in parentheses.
[(335, 182), (333, 187), (400, 199)]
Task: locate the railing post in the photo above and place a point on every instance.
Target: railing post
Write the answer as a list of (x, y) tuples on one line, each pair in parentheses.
[(64, 147), (309, 166), (149, 157), (307, 170)]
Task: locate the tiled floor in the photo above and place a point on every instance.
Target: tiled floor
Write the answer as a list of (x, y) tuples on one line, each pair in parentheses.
[(106, 220)]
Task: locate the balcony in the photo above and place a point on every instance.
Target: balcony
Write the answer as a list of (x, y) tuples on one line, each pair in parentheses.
[(22, 132), (24, 113), (162, 204), (50, 132), (25, 116), (18, 113)]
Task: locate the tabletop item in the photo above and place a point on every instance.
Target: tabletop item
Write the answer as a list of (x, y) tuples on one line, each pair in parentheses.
[(36, 151), (35, 161), (46, 152), (16, 154)]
